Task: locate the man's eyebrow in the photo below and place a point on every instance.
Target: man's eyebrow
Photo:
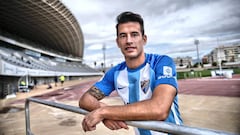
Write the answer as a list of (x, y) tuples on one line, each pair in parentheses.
[(134, 32), (121, 33)]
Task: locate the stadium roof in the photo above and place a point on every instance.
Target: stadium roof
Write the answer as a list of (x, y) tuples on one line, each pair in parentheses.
[(48, 23)]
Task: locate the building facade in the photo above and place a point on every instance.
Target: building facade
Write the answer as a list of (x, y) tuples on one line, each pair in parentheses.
[(224, 54), (183, 62)]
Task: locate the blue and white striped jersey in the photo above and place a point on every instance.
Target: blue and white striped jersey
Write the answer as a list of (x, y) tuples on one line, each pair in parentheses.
[(138, 84)]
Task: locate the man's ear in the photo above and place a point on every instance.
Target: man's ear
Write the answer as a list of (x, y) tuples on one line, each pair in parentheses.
[(145, 39)]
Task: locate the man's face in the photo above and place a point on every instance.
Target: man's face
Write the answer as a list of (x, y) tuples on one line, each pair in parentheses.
[(130, 39)]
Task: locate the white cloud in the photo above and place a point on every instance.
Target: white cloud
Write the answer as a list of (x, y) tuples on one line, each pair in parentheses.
[(171, 25)]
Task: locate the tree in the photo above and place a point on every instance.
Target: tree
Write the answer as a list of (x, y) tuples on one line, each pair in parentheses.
[(214, 64)]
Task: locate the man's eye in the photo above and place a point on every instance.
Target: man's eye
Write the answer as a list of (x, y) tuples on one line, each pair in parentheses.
[(135, 34), (122, 36)]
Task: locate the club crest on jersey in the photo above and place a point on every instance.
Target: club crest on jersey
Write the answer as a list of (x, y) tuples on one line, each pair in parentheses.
[(145, 85)]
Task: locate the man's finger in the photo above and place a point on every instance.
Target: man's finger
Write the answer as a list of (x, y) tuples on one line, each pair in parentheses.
[(84, 125), (87, 127), (123, 124)]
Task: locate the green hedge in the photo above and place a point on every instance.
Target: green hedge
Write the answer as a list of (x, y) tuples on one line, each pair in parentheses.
[(236, 71), (193, 74), (203, 73)]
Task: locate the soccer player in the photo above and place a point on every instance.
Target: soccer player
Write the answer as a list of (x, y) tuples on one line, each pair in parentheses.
[(146, 83)]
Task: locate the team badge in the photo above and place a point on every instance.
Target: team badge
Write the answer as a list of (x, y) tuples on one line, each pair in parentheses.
[(145, 85)]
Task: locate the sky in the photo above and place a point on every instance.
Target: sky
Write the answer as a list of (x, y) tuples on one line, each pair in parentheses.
[(170, 25)]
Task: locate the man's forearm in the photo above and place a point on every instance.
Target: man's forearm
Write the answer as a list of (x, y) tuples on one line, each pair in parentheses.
[(137, 111), (90, 99), (156, 108)]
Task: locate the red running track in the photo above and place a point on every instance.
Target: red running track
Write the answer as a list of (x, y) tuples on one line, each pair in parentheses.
[(204, 86), (210, 87)]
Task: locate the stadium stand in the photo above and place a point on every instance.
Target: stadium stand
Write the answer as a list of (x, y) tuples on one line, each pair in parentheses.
[(39, 40)]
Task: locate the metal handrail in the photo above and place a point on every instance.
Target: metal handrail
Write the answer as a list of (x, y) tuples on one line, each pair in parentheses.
[(159, 126)]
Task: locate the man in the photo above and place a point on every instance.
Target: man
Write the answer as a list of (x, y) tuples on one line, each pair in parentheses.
[(62, 79), (146, 83), (55, 80)]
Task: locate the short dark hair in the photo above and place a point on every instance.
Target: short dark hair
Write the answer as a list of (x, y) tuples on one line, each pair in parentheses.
[(128, 16)]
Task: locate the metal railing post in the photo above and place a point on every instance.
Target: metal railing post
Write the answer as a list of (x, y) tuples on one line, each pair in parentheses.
[(27, 118), (159, 126)]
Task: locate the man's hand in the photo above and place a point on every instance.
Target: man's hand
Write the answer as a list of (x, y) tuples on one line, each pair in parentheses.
[(115, 125), (91, 120)]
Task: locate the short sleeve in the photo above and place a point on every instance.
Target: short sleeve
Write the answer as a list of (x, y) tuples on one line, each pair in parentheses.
[(106, 84), (165, 72)]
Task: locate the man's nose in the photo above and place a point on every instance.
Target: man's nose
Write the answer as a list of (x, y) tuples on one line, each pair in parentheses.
[(129, 39)]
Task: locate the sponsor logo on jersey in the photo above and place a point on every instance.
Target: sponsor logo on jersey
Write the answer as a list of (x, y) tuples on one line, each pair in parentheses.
[(120, 88), (167, 72)]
